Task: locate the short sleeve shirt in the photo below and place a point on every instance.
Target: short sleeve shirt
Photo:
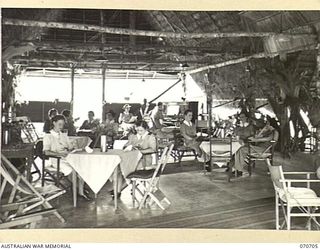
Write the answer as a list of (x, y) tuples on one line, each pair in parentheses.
[(56, 142)]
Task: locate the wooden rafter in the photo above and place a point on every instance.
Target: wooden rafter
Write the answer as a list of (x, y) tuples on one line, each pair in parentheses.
[(123, 31)]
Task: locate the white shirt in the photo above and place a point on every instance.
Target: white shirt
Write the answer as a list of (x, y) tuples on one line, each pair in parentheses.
[(141, 137), (56, 142), (187, 123)]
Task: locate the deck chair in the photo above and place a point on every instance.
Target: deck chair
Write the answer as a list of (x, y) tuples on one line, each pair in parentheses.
[(30, 132), (29, 220), (146, 182), (289, 197), (23, 196)]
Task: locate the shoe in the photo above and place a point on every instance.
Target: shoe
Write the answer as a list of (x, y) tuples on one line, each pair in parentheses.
[(208, 168), (112, 194), (245, 174), (85, 197)]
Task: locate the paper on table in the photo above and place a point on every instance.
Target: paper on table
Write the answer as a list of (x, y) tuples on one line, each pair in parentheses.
[(129, 148), (85, 130), (119, 144), (76, 150)]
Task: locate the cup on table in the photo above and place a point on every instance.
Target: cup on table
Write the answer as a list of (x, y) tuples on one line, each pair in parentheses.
[(88, 149), (103, 140)]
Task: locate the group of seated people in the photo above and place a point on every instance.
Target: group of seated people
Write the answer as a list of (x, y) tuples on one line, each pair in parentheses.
[(143, 138), (260, 136), (57, 143)]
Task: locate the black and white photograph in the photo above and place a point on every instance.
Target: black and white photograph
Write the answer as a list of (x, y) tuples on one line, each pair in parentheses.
[(114, 118)]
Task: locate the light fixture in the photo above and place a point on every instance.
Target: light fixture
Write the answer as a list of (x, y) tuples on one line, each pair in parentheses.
[(185, 65), (101, 58)]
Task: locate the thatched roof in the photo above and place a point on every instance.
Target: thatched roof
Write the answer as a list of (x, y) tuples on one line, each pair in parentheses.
[(244, 34)]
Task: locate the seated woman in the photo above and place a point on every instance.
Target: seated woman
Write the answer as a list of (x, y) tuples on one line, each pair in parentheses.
[(57, 143), (145, 143), (189, 133), (110, 127), (263, 140), (126, 119)]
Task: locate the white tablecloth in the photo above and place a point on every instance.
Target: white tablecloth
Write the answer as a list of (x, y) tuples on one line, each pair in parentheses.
[(97, 168), (79, 141), (220, 147)]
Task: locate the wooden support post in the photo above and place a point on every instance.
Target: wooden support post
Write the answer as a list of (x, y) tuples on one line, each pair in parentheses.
[(72, 89), (132, 25), (103, 40), (103, 88), (209, 109)]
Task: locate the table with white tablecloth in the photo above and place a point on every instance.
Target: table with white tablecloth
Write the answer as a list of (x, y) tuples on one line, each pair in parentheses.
[(97, 168), (219, 147)]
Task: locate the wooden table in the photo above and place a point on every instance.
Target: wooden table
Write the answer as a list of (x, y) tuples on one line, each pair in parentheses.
[(24, 150)]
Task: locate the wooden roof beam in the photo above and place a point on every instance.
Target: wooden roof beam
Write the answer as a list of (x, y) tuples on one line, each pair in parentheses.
[(96, 47), (123, 31)]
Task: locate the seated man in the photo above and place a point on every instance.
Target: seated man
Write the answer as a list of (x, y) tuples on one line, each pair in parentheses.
[(110, 127), (157, 117), (245, 128), (189, 133), (48, 123), (91, 123), (69, 122), (263, 140)]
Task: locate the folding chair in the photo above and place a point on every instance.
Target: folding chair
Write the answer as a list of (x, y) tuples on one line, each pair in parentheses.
[(146, 182), (288, 197), (24, 197), (180, 150), (255, 155), (47, 175), (218, 155)]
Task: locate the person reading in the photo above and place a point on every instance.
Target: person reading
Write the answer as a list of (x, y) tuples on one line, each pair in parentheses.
[(189, 133), (57, 143), (145, 143)]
